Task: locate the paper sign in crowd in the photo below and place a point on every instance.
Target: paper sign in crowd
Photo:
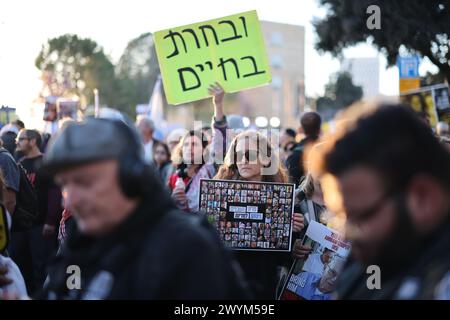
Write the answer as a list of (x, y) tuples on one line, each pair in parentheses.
[(229, 50)]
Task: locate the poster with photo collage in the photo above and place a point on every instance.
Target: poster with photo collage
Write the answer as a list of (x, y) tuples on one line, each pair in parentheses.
[(253, 216)]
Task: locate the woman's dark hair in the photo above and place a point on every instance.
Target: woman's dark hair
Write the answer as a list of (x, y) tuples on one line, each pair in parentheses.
[(177, 156), (161, 144), (291, 132)]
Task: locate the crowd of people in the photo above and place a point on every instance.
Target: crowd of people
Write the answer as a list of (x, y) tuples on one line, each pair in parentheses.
[(124, 207)]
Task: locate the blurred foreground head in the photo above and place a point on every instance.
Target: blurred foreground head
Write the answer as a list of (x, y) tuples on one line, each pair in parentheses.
[(99, 164), (389, 177)]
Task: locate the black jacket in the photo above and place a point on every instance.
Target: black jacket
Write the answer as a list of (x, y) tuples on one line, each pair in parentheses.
[(157, 253), (294, 163), (427, 277), (261, 270)]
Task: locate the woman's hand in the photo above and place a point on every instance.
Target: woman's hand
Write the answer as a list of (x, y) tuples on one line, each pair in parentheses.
[(4, 279), (12, 284), (218, 94), (298, 222), (179, 196), (300, 251)]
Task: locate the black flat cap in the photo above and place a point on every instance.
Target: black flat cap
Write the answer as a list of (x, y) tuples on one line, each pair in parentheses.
[(89, 141)]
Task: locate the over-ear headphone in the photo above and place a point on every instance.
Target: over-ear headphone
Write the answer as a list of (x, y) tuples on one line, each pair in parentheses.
[(132, 166)]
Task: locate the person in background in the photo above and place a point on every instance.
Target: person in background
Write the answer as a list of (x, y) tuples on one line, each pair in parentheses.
[(310, 123), (287, 135), (9, 127), (2, 188), (19, 124), (161, 159), (174, 137), (287, 143), (31, 249), (310, 203), (249, 154), (8, 135), (45, 139), (129, 240), (196, 157), (191, 158), (12, 283), (146, 128), (11, 175)]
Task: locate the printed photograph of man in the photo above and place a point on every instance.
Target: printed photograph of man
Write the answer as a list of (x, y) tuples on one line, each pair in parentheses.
[(316, 261), (313, 286)]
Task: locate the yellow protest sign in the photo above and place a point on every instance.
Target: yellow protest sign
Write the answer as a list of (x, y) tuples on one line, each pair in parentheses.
[(432, 100), (229, 50), (4, 232), (408, 84)]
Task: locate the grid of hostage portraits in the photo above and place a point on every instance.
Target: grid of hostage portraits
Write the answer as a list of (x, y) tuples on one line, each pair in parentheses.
[(249, 215)]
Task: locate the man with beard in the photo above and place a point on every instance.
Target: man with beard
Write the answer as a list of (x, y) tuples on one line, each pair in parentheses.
[(393, 177), (32, 248)]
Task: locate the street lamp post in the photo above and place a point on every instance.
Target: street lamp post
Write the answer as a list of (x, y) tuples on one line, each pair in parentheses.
[(96, 104)]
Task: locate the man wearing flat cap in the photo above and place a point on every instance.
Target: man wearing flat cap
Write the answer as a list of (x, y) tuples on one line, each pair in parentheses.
[(129, 240)]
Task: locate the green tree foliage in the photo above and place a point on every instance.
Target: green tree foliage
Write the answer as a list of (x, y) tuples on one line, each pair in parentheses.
[(340, 92), (137, 71), (431, 79), (415, 26), (75, 66)]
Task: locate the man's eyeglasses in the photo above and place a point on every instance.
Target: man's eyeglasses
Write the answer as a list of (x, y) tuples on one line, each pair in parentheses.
[(371, 211)]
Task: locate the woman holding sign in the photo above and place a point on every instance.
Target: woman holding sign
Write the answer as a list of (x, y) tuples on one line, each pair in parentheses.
[(192, 154), (250, 157), (310, 201)]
